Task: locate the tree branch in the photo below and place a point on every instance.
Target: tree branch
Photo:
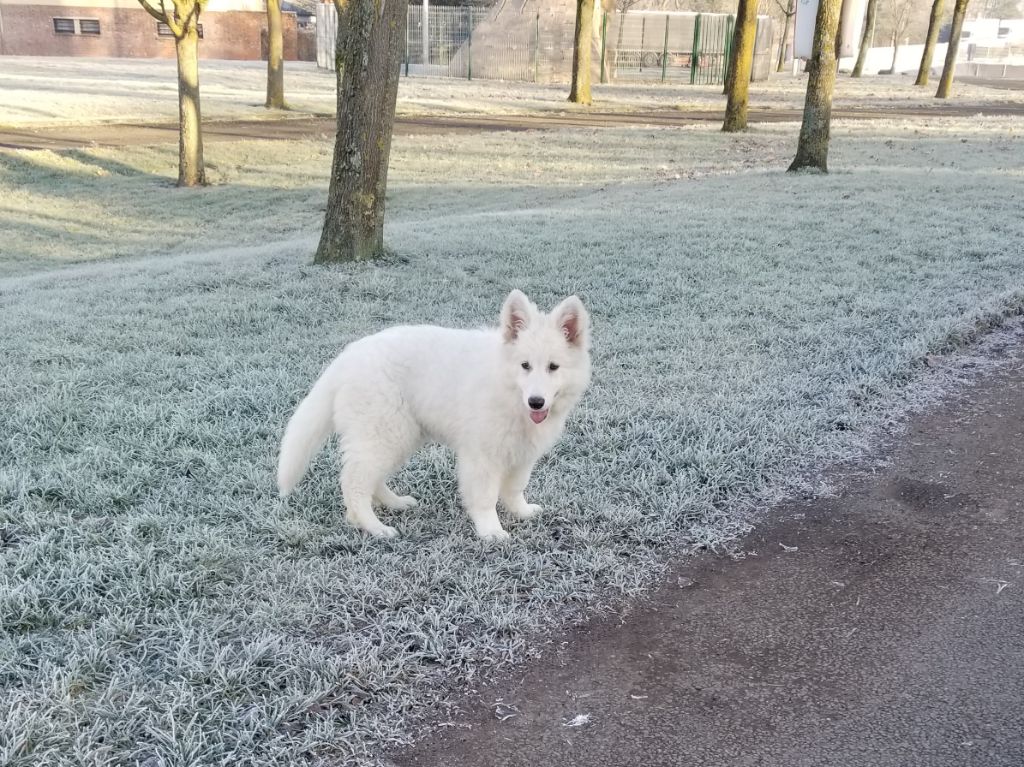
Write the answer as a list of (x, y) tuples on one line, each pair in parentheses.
[(184, 10), (785, 9), (171, 20), (159, 15)]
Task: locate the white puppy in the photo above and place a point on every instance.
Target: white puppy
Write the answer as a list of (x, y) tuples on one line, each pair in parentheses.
[(499, 398)]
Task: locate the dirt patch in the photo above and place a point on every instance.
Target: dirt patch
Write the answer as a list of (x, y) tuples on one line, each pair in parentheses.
[(323, 127)]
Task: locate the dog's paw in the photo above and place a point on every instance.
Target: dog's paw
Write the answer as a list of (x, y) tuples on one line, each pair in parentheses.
[(380, 530), (403, 503), (529, 511), (494, 535)]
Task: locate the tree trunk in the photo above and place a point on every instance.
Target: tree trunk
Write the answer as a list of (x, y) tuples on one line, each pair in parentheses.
[(865, 39), (838, 42), (191, 170), (579, 93), (741, 61), (812, 150), (934, 22), (371, 42), (275, 56), (895, 53), (790, 12), (946, 81)]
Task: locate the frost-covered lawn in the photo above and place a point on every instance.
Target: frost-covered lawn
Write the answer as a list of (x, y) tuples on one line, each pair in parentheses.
[(85, 205), (46, 91), (158, 604)]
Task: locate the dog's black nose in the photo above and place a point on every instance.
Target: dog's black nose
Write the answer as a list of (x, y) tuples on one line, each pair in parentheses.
[(536, 402)]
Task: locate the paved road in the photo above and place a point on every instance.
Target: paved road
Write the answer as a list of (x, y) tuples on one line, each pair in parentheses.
[(70, 137), (880, 628)]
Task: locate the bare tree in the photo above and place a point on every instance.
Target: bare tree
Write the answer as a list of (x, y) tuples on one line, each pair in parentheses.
[(866, 38), (369, 49), (788, 11), (934, 22), (624, 7), (275, 56), (741, 61), (812, 149), (583, 38), (956, 31), (183, 21), (899, 17), (999, 9)]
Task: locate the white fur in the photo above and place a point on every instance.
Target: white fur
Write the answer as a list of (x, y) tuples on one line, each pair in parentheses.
[(389, 393)]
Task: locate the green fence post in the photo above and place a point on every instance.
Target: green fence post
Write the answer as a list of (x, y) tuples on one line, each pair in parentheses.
[(695, 53), (604, 41), (643, 31), (664, 50), (469, 44), (536, 51)]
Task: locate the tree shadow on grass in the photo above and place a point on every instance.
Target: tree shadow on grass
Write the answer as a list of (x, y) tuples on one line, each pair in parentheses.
[(108, 164), (64, 207)]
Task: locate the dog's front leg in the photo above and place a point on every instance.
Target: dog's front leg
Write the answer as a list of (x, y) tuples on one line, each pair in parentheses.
[(479, 483), (512, 488)]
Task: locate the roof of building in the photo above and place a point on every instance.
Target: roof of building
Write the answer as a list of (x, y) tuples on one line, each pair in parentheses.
[(301, 7)]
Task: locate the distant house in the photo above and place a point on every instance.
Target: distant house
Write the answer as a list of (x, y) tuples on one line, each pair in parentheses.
[(230, 29), (304, 10), (990, 33)]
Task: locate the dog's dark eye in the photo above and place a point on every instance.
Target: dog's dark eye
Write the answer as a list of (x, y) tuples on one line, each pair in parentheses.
[(552, 367), (526, 366)]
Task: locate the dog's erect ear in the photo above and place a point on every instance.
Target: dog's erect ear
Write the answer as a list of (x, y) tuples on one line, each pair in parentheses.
[(572, 319), (515, 315)]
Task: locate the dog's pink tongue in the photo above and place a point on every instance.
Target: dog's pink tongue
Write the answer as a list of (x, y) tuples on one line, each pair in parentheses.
[(538, 415)]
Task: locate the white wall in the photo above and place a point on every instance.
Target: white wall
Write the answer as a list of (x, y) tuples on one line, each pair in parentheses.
[(908, 58)]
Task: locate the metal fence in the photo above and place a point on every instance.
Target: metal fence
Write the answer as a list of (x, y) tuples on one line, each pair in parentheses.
[(1003, 54), (688, 47), (509, 44), (443, 46)]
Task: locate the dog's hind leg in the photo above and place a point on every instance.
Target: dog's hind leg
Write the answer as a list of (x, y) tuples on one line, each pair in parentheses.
[(387, 498), (365, 468), (372, 452), (479, 483), (359, 477)]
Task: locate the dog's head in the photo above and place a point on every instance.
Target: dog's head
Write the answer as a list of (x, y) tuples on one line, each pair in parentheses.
[(548, 354)]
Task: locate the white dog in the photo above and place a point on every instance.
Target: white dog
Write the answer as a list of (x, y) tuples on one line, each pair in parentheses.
[(498, 397)]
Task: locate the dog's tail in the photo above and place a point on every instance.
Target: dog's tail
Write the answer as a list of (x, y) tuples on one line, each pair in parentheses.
[(307, 431)]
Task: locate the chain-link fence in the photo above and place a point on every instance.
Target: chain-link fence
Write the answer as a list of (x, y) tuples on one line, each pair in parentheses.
[(517, 42), (442, 46), (664, 46)]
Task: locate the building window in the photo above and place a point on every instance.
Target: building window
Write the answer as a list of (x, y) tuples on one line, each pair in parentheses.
[(164, 30), (964, 35), (64, 26)]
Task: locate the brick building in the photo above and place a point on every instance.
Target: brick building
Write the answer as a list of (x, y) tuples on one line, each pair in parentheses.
[(230, 29)]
